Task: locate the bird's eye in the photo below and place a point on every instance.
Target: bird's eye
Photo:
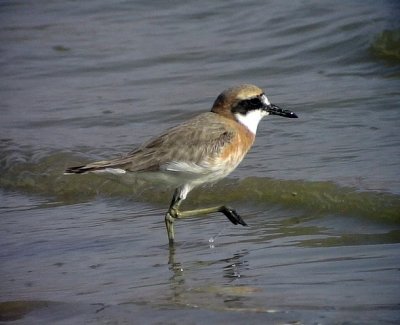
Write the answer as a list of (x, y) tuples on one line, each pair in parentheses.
[(247, 105), (256, 101)]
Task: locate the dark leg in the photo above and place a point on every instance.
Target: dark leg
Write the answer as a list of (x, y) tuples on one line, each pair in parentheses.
[(170, 216), (174, 213)]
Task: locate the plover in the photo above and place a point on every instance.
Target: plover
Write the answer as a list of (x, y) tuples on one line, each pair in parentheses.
[(201, 150)]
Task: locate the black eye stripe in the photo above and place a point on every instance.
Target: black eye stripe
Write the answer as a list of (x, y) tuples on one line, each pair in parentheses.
[(255, 101), (246, 105)]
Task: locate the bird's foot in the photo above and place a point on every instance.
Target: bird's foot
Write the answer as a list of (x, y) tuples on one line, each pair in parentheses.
[(233, 216)]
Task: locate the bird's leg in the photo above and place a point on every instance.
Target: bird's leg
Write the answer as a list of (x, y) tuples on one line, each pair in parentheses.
[(169, 223), (172, 214), (175, 213), (231, 214)]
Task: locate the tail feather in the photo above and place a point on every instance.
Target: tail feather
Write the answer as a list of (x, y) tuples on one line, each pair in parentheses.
[(78, 170), (100, 166)]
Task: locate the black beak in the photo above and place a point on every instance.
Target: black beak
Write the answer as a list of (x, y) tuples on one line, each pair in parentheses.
[(276, 110)]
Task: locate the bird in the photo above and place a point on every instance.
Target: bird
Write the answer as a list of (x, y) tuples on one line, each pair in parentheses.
[(201, 150)]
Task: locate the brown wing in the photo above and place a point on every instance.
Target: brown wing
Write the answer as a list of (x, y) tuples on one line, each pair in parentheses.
[(203, 136)]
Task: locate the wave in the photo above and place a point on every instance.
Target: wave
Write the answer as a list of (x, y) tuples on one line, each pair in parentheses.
[(42, 174), (386, 46)]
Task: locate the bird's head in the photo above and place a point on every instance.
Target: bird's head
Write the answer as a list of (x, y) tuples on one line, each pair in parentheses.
[(247, 104)]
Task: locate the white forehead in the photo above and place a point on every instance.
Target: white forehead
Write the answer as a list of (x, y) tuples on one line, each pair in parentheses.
[(265, 99)]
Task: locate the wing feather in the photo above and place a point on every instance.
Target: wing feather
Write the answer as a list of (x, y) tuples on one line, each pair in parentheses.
[(188, 144)]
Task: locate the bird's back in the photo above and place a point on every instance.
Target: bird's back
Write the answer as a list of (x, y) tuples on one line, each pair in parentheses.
[(200, 141)]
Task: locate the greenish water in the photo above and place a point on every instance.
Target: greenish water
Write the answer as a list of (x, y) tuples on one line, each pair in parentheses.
[(44, 177), (387, 46)]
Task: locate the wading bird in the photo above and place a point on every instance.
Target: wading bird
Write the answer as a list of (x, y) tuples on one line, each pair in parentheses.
[(201, 150)]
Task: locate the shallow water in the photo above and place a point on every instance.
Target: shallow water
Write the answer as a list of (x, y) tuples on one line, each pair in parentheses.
[(321, 194)]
